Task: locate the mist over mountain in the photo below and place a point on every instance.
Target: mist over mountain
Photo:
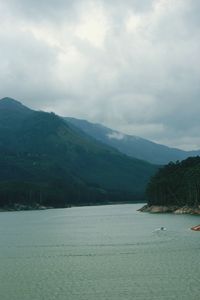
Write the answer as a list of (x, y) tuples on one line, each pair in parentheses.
[(45, 160), (132, 146)]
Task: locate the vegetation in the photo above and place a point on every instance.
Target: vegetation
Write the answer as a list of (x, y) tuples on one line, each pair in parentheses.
[(176, 184), (44, 161)]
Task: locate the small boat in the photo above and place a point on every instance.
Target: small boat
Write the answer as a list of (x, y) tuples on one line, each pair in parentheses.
[(196, 228), (161, 229)]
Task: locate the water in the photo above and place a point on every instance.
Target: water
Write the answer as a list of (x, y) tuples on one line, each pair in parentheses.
[(98, 253)]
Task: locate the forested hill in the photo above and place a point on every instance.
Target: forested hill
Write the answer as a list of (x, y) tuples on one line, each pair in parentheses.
[(45, 161), (176, 184)]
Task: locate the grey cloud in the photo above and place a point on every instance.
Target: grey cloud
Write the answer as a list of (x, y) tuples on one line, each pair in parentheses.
[(27, 68), (41, 10), (132, 65)]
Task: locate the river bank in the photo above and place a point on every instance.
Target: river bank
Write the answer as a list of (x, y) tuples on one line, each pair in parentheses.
[(170, 209), (36, 206), (22, 207)]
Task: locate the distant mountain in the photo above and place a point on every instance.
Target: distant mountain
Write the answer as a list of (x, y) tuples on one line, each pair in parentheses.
[(45, 160), (132, 146)]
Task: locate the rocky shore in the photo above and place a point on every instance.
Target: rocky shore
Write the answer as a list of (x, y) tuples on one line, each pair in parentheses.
[(19, 207), (171, 209)]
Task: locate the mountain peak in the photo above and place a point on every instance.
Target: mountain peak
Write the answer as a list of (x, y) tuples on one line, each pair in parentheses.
[(10, 100), (12, 104)]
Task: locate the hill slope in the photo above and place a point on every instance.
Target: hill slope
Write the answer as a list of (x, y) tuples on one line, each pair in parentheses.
[(45, 160), (132, 145)]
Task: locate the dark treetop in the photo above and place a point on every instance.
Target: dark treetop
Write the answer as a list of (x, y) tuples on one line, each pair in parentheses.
[(176, 184)]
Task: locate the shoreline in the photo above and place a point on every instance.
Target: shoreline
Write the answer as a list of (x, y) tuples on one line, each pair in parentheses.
[(179, 210), (21, 207)]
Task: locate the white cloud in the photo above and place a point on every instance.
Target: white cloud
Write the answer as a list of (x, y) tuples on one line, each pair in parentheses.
[(116, 135)]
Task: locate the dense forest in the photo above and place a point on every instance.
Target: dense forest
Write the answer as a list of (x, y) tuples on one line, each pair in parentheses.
[(176, 184), (45, 162)]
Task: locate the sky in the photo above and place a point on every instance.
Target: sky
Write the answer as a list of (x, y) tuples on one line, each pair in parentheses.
[(132, 65)]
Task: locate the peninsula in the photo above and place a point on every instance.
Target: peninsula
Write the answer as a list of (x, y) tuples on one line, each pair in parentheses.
[(175, 188)]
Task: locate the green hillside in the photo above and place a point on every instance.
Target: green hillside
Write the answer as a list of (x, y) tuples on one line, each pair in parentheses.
[(46, 161)]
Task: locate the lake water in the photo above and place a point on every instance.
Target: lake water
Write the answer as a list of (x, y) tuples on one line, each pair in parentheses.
[(98, 253)]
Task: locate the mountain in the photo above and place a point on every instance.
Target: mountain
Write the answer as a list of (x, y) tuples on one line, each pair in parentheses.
[(45, 160), (132, 146), (10, 104), (12, 112)]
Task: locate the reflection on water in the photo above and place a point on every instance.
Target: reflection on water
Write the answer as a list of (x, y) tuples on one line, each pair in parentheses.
[(102, 252)]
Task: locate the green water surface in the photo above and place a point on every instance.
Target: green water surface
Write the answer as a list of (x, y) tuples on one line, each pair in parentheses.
[(98, 253)]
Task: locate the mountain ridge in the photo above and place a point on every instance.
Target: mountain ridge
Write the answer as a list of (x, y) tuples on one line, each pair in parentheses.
[(43, 157), (132, 146)]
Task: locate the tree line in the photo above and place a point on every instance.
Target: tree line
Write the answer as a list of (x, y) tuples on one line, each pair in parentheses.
[(176, 184)]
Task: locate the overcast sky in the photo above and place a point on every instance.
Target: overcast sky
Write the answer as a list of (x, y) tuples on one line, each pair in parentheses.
[(132, 65)]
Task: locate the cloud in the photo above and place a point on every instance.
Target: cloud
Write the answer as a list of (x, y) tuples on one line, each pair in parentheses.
[(132, 65), (116, 135)]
